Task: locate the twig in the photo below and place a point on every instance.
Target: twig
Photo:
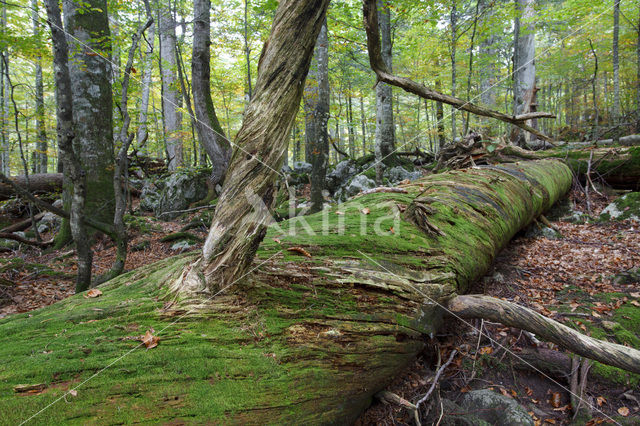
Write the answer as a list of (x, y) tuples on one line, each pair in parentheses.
[(435, 379), (188, 210)]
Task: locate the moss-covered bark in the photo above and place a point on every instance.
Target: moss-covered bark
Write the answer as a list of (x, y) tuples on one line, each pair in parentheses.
[(304, 340)]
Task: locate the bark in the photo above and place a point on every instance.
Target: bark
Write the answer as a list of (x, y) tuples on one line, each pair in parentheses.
[(172, 119), (385, 128), (92, 102), (4, 104), (39, 183), (237, 227), (454, 44), (147, 71), (378, 65), (67, 123), (440, 118), (478, 306), (524, 64), (210, 133), (40, 165), (616, 60), (316, 106), (247, 49), (303, 340)]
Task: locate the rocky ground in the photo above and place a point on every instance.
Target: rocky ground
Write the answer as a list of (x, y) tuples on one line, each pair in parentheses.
[(583, 273)]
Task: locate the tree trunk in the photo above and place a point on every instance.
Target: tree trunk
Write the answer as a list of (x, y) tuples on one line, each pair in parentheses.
[(301, 341), (147, 71), (210, 133), (92, 102), (41, 134), (524, 64), (240, 218), (454, 44), (247, 48), (440, 118), (170, 86), (5, 148), (616, 60), (385, 128), (316, 105)]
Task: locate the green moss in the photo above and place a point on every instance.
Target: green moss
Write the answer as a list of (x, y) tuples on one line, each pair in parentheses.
[(178, 236)]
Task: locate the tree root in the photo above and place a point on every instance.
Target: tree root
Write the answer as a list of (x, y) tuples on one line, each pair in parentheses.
[(510, 314)]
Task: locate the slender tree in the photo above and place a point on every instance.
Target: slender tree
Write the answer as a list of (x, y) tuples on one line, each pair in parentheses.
[(147, 71), (316, 105), (524, 63), (211, 135), (616, 63), (40, 165), (171, 97)]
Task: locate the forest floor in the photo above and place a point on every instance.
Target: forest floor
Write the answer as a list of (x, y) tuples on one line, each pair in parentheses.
[(571, 279)]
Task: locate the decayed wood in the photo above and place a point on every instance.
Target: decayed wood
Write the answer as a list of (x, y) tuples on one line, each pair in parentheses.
[(479, 306), (38, 183), (378, 66)]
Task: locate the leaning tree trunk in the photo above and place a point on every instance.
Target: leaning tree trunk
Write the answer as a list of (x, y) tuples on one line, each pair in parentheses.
[(239, 224), (303, 340), (210, 132)]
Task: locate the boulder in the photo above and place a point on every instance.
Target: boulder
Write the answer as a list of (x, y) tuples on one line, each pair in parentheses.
[(340, 175), (625, 207), (177, 192), (399, 173), (357, 185), (302, 167), (49, 222), (495, 409)]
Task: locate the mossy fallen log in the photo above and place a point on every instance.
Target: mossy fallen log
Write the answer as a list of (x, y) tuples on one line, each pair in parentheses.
[(617, 166), (304, 340)]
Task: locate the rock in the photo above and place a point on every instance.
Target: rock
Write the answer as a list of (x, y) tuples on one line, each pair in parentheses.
[(496, 409), (149, 197), (182, 245), (626, 207), (58, 204), (535, 231), (340, 175), (302, 167), (180, 190), (49, 222), (399, 173), (358, 184)]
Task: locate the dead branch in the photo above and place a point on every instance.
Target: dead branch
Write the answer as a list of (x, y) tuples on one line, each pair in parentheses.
[(510, 314), (18, 238), (370, 13)]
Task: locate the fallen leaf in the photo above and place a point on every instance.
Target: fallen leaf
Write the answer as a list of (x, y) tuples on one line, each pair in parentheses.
[(391, 230), (94, 292), (505, 392), (635, 303), (339, 213), (73, 392), (601, 400), (555, 400), (299, 250), (623, 411), (277, 240), (552, 421), (636, 295), (485, 350), (366, 210), (528, 390), (149, 340)]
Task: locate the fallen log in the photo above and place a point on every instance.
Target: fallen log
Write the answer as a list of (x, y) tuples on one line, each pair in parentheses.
[(39, 183), (302, 340), (21, 225)]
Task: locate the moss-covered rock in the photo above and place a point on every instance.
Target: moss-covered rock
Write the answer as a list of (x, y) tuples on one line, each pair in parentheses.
[(623, 208)]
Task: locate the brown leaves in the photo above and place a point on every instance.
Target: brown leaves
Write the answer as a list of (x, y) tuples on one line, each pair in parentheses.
[(623, 411), (94, 292), (149, 340), (555, 400), (299, 250), (366, 210)]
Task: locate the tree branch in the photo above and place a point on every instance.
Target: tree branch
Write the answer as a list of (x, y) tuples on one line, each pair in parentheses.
[(370, 14), (510, 314)]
